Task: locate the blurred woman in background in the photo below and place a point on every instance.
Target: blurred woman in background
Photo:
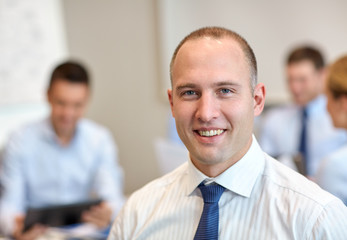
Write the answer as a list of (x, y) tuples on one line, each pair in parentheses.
[(332, 173)]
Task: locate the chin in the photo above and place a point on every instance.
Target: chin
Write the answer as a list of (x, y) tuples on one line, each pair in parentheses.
[(209, 159), (66, 129)]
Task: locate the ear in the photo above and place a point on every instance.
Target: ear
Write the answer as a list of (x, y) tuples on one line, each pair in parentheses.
[(169, 94), (259, 98), (48, 95)]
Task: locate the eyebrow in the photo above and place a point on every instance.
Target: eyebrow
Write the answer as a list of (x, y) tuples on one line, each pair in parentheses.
[(188, 85), (218, 84), (227, 83)]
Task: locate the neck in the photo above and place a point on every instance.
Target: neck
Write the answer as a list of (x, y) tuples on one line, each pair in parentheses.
[(64, 137), (215, 169)]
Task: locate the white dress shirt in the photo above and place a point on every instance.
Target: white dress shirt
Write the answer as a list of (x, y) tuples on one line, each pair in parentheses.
[(263, 200), (280, 133)]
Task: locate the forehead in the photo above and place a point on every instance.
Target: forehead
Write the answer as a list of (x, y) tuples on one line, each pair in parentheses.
[(206, 46), (210, 56), (65, 89), (301, 67), (64, 83)]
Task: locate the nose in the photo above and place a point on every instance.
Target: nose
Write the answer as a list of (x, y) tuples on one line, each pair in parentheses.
[(67, 112), (295, 86), (207, 108)]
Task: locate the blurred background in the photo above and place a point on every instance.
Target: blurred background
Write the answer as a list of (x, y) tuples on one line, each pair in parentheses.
[(127, 46)]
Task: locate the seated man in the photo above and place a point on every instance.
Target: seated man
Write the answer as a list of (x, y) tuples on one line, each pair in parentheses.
[(61, 159)]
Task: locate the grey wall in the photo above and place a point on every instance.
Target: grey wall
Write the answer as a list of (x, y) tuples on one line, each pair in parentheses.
[(128, 44)]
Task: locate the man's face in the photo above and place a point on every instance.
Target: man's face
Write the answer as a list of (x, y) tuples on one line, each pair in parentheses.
[(304, 81), (68, 102), (212, 103)]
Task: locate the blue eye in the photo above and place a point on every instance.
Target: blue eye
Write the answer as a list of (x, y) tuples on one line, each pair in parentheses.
[(225, 91), (190, 92)]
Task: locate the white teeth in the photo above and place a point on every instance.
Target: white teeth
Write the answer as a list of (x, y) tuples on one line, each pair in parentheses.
[(211, 133)]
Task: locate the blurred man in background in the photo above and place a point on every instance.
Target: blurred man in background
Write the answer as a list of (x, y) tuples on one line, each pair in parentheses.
[(302, 133), (62, 159)]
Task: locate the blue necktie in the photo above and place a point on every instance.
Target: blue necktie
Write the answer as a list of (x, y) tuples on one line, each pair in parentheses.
[(303, 141), (208, 225)]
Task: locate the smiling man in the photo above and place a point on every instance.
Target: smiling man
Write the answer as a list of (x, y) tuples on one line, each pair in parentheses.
[(229, 189)]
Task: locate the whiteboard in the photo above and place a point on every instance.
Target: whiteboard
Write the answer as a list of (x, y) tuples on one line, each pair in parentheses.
[(32, 41)]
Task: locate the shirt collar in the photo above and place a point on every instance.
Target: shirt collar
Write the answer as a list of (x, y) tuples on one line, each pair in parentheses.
[(316, 105), (48, 129), (49, 133), (239, 178)]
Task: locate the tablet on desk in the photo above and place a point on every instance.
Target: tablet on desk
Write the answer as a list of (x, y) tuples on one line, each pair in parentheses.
[(58, 215)]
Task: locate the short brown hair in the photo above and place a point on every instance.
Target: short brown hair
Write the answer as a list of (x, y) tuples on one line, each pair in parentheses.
[(337, 77), (70, 71), (218, 33), (307, 53)]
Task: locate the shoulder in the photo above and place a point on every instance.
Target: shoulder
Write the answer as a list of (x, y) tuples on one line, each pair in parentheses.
[(156, 198), (90, 126), (157, 190), (163, 183), (28, 132), (334, 165), (31, 127), (24, 141), (338, 157), (302, 201), (93, 131), (294, 185)]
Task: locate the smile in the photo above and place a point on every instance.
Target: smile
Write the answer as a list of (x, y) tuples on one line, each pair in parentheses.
[(211, 133)]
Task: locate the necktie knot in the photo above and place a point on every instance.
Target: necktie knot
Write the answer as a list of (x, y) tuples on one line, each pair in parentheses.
[(211, 193)]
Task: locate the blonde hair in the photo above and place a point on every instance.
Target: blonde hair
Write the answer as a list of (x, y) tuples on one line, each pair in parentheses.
[(337, 77)]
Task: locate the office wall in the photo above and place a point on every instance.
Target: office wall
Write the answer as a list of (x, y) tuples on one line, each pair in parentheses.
[(128, 44)]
